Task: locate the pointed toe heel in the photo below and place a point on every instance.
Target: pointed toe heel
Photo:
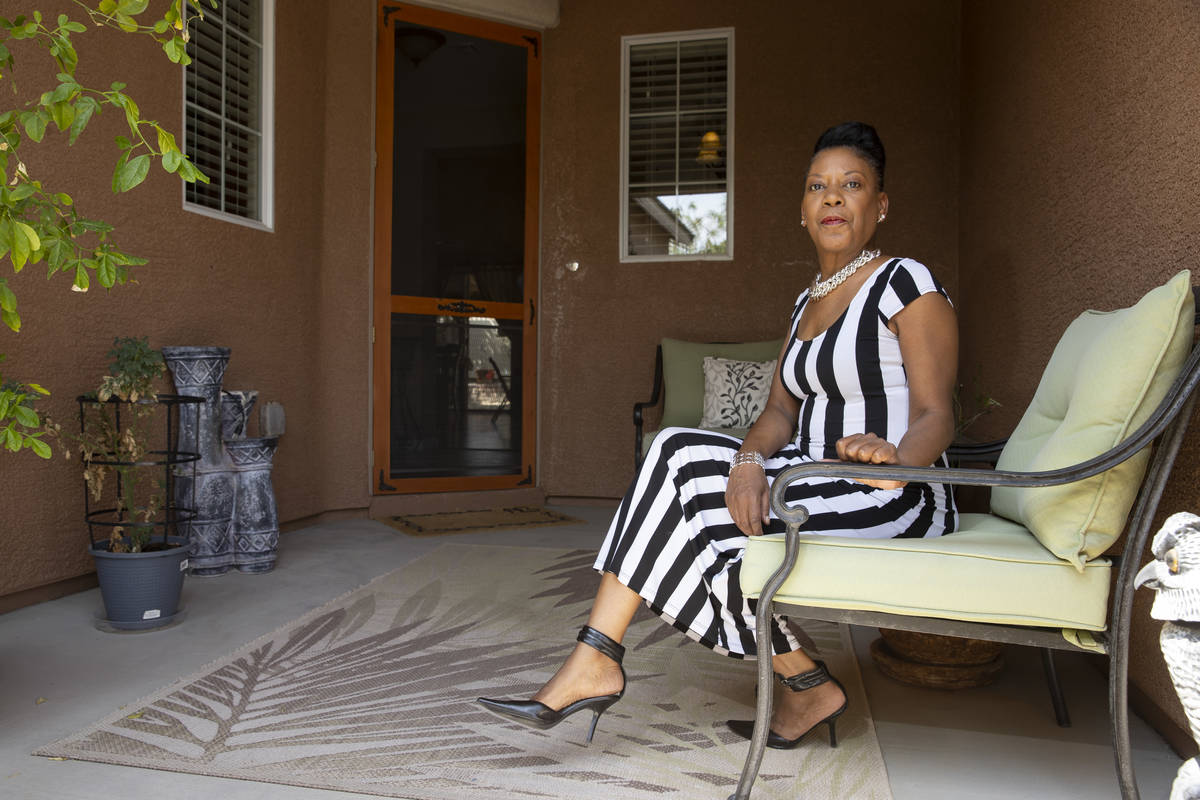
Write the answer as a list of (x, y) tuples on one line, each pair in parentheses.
[(797, 683), (541, 716)]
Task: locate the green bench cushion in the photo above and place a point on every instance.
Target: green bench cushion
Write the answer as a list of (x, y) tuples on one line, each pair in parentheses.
[(991, 570), (683, 375)]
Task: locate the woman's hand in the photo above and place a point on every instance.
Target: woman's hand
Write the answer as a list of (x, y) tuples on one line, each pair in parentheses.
[(748, 498), (867, 448)]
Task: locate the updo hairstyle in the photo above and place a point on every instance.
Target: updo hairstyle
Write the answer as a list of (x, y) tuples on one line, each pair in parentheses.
[(859, 137)]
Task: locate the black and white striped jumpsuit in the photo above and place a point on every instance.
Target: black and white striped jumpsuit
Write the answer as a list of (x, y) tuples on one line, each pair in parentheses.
[(673, 541)]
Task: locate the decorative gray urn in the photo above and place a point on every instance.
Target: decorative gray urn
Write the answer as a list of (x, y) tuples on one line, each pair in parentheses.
[(198, 371), (1174, 575), (235, 412), (255, 518)]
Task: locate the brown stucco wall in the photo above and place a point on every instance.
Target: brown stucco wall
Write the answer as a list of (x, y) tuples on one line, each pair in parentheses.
[(1079, 154), (796, 74), (292, 303)]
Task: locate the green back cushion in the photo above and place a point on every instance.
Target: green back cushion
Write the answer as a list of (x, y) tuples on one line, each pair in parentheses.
[(1106, 376), (683, 374)]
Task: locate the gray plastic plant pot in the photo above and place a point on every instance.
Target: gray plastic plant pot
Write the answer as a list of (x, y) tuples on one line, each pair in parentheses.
[(141, 590)]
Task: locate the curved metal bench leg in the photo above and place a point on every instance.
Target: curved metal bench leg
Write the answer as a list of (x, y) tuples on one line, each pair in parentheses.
[(1118, 707), (762, 636)]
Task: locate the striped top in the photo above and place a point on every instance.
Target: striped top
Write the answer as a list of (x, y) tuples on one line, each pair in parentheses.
[(850, 378)]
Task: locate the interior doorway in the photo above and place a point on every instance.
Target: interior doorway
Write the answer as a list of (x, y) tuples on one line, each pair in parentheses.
[(455, 252)]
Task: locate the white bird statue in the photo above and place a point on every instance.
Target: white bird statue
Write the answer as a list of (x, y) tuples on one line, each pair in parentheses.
[(1175, 576)]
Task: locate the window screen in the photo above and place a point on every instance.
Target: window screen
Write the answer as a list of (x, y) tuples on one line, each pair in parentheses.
[(224, 109), (677, 156)]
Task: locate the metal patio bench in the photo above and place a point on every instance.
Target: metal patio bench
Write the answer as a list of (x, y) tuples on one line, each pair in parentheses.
[(997, 571)]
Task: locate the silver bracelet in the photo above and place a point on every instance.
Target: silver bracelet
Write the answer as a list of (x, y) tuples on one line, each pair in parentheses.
[(752, 457)]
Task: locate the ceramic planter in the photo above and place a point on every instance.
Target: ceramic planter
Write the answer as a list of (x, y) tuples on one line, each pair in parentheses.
[(255, 518), (198, 372)]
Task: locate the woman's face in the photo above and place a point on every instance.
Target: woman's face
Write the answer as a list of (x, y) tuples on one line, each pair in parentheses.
[(842, 202)]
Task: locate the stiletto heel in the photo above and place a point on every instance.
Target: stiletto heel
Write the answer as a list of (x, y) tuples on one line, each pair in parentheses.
[(592, 730), (798, 683), (539, 715)]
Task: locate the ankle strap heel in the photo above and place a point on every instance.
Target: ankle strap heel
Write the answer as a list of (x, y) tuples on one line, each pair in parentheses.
[(807, 680), (597, 640)]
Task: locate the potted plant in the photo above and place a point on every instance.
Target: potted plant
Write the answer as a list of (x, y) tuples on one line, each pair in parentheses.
[(129, 445)]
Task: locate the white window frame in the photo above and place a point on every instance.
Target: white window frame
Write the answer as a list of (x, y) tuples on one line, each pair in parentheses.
[(266, 175), (627, 42)]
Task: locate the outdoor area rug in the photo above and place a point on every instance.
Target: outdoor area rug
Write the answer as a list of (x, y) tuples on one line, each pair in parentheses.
[(466, 521), (374, 693)]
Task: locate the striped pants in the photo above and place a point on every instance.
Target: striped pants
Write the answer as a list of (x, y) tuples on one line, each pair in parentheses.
[(674, 543)]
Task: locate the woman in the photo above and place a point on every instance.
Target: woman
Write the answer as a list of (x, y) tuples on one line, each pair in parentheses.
[(866, 374)]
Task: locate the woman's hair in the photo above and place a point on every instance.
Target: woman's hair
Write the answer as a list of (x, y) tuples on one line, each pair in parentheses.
[(859, 137)]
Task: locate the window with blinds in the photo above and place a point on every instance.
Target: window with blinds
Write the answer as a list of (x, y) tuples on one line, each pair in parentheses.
[(227, 110), (676, 146)]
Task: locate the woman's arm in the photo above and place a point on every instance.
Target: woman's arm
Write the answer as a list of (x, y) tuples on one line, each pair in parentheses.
[(747, 495), (928, 334)]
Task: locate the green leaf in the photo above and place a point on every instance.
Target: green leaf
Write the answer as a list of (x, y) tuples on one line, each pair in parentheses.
[(116, 85), (26, 416), (5, 235), (166, 140), (132, 114), (84, 108), (161, 26), (63, 115), (106, 271), (30, 235), (82, 281), (38, 388), (19, 192), (176, 49), (35, 124), (39, 447), (74, 27), (63, 91), (131, 173), (171, 160), (8, 300), (12, 319), (64, 199), (20, 247)]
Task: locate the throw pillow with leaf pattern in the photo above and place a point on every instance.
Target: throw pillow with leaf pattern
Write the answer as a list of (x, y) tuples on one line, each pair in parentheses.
[(735, 392)]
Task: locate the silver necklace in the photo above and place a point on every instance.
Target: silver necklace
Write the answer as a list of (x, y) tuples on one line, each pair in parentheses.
[(821, 288)]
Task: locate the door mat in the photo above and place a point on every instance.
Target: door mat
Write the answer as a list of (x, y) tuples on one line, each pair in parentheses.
[(374, 693), (467, 521)]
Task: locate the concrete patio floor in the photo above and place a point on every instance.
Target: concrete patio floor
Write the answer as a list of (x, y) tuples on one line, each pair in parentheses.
[(997, 742)]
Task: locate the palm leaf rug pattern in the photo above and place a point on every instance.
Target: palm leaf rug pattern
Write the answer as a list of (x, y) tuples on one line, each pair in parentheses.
[(374, 693)]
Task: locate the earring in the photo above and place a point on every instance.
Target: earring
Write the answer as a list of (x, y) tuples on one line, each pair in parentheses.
[(882, 217), (803, 223)]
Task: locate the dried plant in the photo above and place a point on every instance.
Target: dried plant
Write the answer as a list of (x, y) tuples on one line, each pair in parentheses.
[(114, 439)]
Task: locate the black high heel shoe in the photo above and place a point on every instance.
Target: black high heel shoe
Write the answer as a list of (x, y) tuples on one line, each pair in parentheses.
[(797, 683), (539, 715)]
